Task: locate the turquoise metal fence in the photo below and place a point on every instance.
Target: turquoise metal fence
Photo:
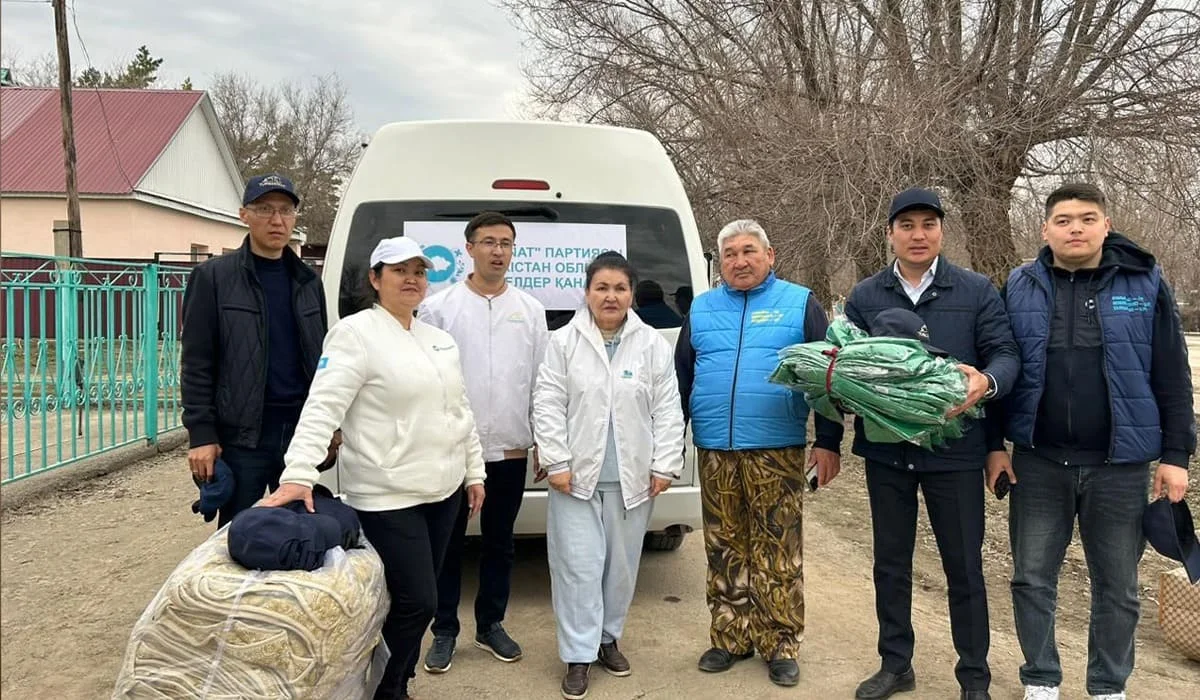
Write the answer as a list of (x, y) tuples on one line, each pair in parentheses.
[(91, 358)]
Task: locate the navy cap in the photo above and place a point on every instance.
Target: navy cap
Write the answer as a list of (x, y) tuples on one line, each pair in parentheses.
[(915, 198), (259, 185), (349, 529), (902, 323), (1170, 530), (215, 492), (279, 539)]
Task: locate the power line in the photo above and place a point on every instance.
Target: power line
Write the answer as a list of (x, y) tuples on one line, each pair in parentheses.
[(112, 144)]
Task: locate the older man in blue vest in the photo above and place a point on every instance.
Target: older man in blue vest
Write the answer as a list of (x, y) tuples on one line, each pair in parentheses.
[(1104, 390), (751, 439)]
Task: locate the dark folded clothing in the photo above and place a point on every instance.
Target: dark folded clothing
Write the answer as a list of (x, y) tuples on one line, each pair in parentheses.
[(280, 539), (325, 504)]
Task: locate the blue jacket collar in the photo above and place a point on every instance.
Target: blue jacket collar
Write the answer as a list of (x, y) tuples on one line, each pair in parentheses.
[(766, 284)]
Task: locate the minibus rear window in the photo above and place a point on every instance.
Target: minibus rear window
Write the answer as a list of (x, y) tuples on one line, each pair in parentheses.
[(653, 237)]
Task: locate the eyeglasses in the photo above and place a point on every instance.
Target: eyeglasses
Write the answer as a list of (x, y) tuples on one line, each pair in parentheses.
[(492, 243), (266, 211)]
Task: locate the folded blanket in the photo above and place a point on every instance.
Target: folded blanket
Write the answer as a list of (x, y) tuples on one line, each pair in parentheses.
[(216, 630)]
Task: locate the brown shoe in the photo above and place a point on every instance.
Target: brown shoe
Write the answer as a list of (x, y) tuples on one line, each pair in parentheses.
[(613, 660), (575, 683)]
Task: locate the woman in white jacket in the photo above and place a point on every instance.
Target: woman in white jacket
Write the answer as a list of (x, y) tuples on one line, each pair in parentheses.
[(395, 387), (609, 427)]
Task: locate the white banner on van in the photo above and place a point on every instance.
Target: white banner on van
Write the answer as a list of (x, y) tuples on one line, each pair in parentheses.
[(549, 259)]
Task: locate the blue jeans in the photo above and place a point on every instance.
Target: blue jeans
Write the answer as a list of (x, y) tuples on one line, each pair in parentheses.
[(258, 469), (1108, 501)]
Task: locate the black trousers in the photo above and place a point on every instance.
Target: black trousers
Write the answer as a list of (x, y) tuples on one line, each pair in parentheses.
[(412, 543), (954, 501), (257, 470), (505, 489)]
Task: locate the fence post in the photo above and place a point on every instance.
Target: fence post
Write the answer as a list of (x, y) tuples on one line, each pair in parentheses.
[(150, 323)]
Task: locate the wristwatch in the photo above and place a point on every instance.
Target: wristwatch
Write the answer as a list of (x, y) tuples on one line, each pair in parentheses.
[(991, 390)]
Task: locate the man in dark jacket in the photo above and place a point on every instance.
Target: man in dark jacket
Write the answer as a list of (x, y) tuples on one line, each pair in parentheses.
[(253, 324), (964, 316), (652, 306), (1104, 390)]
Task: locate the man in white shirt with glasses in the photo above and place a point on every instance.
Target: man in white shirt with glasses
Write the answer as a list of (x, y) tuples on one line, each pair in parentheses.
[(501, 332)]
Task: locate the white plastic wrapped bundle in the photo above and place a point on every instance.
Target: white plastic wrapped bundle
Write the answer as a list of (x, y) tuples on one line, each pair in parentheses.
[(218, 631)]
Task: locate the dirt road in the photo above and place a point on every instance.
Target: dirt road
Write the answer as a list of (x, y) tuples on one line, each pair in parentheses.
[(79, 567)]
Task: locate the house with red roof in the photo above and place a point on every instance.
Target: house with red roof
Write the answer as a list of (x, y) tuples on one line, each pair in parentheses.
[(156, 176)]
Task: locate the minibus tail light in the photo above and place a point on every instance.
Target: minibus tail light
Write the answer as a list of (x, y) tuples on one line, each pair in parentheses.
[(520, 184)]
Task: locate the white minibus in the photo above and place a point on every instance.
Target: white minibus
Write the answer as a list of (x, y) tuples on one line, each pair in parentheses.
[(572, 190)]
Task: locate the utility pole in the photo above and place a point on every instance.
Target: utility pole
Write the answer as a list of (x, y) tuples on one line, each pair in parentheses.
[(74, 228)]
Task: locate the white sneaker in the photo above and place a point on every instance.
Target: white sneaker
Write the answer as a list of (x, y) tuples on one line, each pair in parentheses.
[(1109, 696), (1041, 692)]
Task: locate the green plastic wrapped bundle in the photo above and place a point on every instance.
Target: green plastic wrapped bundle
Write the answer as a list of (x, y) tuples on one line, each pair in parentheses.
[(901, 392)]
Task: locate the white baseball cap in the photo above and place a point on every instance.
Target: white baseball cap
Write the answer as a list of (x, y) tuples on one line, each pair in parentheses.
[(397, 250)]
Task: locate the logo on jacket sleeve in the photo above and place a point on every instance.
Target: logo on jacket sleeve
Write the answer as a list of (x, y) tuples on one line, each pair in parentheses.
[(323, 362), (1130, 303)]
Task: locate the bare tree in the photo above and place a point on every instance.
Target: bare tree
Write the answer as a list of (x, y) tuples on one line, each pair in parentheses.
[(810, 114), (37, 72), (1154, 198), (304, 131)]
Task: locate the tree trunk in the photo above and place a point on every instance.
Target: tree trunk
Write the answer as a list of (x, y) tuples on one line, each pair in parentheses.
[(871, 255), (984, 204), (820, 281)]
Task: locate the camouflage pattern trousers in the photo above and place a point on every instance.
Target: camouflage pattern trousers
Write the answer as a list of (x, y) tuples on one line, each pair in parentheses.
[(753, 536)]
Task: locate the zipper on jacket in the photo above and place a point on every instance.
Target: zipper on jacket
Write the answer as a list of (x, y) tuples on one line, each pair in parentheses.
[(1071, 359), (491, 330), (310, 363), (736, 362), (263, 335), (1112, 419), (1049, 330)]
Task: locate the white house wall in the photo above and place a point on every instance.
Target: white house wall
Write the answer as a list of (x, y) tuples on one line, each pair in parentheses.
[(191, 170)]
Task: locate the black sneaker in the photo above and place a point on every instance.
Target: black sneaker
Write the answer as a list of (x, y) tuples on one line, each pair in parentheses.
[(437, 659), (497, 641)]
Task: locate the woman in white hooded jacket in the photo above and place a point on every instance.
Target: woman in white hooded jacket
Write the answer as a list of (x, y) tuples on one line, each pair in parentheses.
[(394, 385), (609, 427)]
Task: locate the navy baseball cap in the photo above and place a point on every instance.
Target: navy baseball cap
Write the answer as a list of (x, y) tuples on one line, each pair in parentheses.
[(915, 198), (279, 539), (215, 492), (260, 185), (902, 323), (1170, 530)]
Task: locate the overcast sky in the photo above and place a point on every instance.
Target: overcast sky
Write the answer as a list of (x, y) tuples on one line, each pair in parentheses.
[(399, 60)]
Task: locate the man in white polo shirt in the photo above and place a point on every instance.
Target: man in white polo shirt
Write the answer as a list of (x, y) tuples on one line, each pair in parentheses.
[(501, 334)]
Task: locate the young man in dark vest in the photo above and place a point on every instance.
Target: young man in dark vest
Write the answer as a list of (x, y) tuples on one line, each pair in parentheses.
[(1105, 389)]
